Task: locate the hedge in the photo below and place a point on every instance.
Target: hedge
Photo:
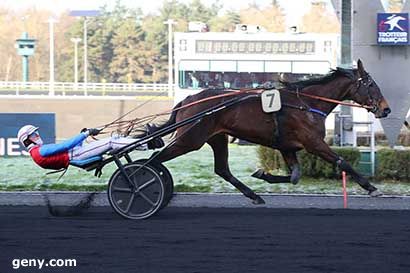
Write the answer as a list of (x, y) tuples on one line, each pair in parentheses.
[(391, 164)]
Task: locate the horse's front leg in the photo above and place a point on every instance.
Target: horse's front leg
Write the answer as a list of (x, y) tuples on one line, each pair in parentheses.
[(321, 149)]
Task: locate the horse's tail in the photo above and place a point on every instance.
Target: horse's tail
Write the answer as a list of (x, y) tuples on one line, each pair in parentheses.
[(171, 120)]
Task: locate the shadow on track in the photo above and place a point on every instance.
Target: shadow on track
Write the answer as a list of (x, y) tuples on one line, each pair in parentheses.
[(64, 211)]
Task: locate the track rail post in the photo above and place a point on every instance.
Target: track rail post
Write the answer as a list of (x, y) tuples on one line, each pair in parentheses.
[(344, 190)]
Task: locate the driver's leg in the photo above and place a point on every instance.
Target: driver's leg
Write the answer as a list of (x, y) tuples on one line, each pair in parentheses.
[(89, 150), (101, 146)]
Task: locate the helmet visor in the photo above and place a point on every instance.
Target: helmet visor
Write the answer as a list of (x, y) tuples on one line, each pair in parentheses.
[(34, 134), (35, 138)]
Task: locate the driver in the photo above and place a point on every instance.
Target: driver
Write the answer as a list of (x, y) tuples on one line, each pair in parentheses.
[(58, 156)]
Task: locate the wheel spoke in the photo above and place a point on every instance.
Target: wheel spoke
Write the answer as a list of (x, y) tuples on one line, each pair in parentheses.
[(133, 180), (130, 203), (146, 198), (146, 184), (120, 189)]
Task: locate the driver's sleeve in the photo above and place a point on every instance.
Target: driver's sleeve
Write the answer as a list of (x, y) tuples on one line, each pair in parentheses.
[(51, 149)]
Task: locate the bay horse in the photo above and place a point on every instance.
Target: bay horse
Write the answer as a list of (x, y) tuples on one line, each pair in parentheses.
[(300, 124)]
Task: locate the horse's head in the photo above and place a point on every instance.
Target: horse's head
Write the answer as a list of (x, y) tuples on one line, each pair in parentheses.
[(366, 92)]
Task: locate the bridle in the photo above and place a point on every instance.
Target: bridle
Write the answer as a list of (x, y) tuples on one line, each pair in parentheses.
[(363, 89)]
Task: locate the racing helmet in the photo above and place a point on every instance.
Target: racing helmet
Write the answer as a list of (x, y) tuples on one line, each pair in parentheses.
[(28, 136)]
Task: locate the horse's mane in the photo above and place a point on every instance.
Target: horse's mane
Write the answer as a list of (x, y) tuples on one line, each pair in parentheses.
[(350, 73)]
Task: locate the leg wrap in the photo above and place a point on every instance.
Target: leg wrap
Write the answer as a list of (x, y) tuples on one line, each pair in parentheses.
[(295, 175), (342, 164)]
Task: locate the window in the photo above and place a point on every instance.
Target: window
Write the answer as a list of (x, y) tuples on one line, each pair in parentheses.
[(327, 46), (182, 45)]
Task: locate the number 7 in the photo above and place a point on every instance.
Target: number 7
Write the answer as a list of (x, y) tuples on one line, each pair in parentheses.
[(272, 95)]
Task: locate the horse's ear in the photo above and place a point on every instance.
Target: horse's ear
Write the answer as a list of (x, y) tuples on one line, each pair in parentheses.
[(360, 67)]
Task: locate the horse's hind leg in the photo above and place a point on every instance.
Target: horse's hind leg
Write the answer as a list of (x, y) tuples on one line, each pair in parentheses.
[(219, 144), (293, 166)]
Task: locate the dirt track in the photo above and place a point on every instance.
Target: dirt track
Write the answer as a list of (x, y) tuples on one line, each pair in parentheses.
[(211, 240)]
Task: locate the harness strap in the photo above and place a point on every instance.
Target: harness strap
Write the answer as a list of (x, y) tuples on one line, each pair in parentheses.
[(317, 111), (302, 108), (63, 170)]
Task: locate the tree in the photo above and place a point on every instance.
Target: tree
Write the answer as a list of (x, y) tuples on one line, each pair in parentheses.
[(395, 5), (67, 27), (226, 22), (100, 47), (320, 20), (130, 59), (11, 68), (199, 12), (157, 32), (12, 24), (271, 18)]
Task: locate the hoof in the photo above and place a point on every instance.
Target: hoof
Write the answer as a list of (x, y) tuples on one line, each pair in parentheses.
[(258, 174), (258, 201), (294, 181), (375, 193)]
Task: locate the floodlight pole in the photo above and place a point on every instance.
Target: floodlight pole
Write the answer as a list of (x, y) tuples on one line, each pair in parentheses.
[(51, 22), (85, 14), (170, 22), (75, 41)]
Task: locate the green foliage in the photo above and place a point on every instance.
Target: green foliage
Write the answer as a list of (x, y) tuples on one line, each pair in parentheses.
[(270, 159), (312, 166), (226, 22), (129, 60), (393, 164)]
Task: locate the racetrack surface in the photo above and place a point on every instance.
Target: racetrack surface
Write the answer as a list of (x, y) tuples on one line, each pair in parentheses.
[(210, 240)]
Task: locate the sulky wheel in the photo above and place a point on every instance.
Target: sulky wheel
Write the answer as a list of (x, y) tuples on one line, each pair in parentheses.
[(139, 197), (166, 177)]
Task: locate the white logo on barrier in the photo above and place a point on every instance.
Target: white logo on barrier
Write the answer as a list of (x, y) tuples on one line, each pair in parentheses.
[(393, 22), (271, 101), (10, 147)]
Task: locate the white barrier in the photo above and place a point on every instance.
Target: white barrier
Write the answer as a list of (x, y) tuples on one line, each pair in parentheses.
[(68, 88)]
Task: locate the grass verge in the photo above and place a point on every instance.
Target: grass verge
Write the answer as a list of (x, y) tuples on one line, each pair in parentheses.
[(192, 173)]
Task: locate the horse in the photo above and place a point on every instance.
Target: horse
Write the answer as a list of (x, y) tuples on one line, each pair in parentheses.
[(299, 124)]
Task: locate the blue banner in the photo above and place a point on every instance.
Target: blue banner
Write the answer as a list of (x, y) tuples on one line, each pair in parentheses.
[(392, 28), (10, 123)]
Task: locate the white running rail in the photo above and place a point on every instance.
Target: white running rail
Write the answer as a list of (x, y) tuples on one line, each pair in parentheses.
[(71, 88)]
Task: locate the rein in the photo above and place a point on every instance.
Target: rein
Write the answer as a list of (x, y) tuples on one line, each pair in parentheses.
[(233, 93), (131, 123), (329, 100)]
